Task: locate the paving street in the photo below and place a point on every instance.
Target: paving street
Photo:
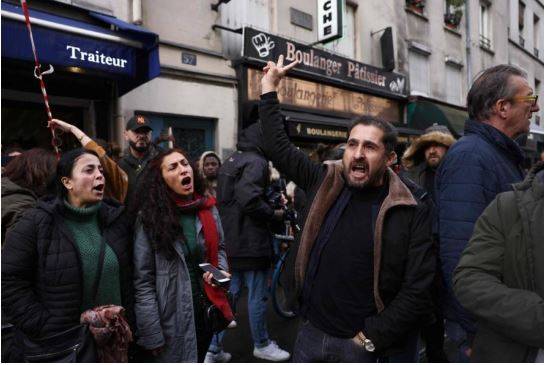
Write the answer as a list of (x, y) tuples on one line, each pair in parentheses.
[(238, 341)]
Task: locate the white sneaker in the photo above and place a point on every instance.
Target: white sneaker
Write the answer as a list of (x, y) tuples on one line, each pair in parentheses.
[(232, 324), (218, 357), (271, 352)]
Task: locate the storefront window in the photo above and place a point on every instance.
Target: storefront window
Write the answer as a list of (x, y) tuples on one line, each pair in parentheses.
[(419, 73), (453, 85)]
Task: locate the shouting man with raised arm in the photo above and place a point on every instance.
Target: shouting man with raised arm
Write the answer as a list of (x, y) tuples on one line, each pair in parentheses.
[(364, 263)]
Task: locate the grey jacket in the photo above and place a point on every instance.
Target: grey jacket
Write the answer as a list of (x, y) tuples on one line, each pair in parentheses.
[(416, 173), (163, 296)]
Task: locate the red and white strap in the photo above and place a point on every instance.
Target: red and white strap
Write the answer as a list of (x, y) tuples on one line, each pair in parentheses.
[(55, 142)]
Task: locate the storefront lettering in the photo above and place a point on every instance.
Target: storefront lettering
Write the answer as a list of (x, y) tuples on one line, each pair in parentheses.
[(311, 60), (323, 64), (97, 57), (325, 133), (362, 73), (305, 95), (313, 95)]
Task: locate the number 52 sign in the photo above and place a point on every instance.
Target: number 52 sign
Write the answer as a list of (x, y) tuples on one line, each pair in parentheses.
[(330, 20)]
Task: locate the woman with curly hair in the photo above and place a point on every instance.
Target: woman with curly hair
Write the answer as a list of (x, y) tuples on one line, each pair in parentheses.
[(177, 228)]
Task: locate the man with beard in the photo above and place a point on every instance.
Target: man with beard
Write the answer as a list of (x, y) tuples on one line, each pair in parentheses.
[(424, 155), (209, 163), (420, 160), (364, 263), (138, 134)]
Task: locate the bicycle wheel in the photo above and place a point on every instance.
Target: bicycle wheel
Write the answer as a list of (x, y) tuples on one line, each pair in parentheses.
[(278, 294)]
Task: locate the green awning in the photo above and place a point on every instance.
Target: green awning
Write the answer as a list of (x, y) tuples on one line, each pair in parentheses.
[(423, 113)]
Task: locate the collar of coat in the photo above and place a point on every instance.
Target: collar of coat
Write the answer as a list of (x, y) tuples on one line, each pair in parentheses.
[(533, 181), (109, 211), (328, 192), (495, 137)]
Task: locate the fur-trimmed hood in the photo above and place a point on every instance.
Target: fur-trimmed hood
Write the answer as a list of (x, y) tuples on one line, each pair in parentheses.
[(414, 154)]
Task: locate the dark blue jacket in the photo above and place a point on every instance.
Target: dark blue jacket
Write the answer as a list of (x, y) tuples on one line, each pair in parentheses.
[(482, 164)]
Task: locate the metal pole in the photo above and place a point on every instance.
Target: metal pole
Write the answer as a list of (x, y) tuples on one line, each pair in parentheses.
[(468, 44)]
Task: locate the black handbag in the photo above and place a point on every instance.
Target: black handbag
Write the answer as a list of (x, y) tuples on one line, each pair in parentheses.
[(75, 344), (213, 318)]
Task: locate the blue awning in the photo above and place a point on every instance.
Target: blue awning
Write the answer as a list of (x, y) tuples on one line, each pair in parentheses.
[(125, 52)]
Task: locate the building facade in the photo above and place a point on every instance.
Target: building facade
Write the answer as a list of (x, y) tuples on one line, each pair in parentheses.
[(196, 92), (446, 45), (207, 86)]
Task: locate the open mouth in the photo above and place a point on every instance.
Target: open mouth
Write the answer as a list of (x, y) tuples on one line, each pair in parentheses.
[(98, 188), (359, 169), (186, 182)]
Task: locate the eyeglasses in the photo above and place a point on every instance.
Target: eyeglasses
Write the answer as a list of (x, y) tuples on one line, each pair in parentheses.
[(532, 98)]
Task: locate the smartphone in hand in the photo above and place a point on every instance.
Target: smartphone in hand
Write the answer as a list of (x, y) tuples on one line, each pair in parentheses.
[(217, 276)]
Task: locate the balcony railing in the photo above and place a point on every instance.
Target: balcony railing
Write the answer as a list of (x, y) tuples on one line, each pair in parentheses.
[(521, 41), (536, 52)]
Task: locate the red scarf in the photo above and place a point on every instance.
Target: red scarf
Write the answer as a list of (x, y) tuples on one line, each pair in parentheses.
[(203, 206)]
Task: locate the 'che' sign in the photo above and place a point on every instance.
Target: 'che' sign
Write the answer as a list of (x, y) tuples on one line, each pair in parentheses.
[(330, 20)]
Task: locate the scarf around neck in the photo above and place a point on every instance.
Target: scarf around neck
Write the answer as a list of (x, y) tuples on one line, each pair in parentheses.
[(202, 206)]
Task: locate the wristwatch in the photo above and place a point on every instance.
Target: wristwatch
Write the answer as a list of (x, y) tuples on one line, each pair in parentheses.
[(366, 342)]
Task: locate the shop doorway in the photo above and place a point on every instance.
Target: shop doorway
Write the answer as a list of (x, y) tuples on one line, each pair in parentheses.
[(24, 124)]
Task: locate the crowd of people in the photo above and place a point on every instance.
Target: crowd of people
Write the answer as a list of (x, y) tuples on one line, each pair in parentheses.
[(397, 251)]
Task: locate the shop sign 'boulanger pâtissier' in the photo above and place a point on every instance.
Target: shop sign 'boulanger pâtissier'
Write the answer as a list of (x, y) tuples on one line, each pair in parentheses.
[(264, 47)]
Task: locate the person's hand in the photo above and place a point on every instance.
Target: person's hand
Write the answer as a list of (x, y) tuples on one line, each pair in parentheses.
[(155, 352), (64, 126), (273, 73), (67, 127), (356, 340), (207, 277)]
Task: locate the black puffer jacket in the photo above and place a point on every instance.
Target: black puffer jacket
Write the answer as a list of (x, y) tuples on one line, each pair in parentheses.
[(243, 206), (41, 268)]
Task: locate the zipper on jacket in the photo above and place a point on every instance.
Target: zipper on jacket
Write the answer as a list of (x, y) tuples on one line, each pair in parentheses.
[(52, 354)]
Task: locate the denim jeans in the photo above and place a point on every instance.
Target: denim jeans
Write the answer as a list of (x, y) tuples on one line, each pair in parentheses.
[(313, 345), (256, 282), (410, 353), (458, 335)]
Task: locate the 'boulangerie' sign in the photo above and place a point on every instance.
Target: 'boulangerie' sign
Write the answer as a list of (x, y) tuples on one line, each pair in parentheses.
[(313, 95), (263, 46)]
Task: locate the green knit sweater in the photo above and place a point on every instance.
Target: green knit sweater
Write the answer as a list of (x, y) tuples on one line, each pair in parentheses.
[(192, 253), (84, 225)]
